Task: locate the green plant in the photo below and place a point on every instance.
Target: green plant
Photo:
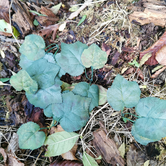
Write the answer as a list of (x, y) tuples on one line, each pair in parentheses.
[(70, 105)]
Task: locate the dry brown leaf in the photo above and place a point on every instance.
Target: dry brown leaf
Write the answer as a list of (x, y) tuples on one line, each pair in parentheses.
[(161, 55), (107, 148), (12, 161), (50, 30), (66, 163), (9, 159), (153, 50), (70, 155), (106, 48), (4, 10), (158, 72), (47, 20), (2, 151)]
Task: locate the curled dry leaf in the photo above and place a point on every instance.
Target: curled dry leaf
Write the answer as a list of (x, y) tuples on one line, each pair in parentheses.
[(50, 30), (157, 51)]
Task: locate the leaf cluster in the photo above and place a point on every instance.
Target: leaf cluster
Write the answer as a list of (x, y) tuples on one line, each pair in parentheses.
[(71, 105)]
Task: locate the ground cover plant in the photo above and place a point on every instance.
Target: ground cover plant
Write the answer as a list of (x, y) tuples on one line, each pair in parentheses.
[(40, 78)]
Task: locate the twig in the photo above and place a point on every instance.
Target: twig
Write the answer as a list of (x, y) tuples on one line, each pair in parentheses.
[(76, 13)]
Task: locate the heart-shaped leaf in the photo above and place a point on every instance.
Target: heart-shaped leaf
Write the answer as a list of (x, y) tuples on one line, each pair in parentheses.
[(70, 58), (102, 95), (44, 97), (30, 137), (85, 90), (151, 125), (43, 72), (33, 47), (60, 142), (123, 93), (22, 81), (94, 56), (72, 113)]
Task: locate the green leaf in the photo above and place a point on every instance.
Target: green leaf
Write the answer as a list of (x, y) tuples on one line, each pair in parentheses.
[(30, 137), (94, 56), (15, 32), (88, 160), (56, 8), (123, 93), (102, 95), (82, 20), (44, 97), (5, 27), (134, 62), (25, 62), (70, 58), (85, 90), (151, 126), (35, 22), (4, 79), (35, 12), (65, 86), (43, 72), (22, 81), (33, 47), (60, 142), (72, 113)]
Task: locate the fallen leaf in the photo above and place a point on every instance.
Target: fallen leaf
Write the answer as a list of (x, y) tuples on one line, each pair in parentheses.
[(122, 149), (4, 10), (115, 58), (106, 48), (158, 72), (13, 161), (107, 148), (62, 26), (51, 30), (135, 158), (161, 55), (153, 50), (2, 151), (56, 8)]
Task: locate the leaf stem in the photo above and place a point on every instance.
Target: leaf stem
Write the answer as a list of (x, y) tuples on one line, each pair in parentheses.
[(53, 48), (130, 120), (91, 80), (129, 114)]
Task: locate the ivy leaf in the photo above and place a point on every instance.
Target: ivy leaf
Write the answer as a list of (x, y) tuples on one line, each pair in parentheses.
[(72, 113), (151, 126), (123, 93), (43, 72), (25, 62), (60, 142), (33, 47), (102, 95), (70, 58), (22, 81), (88, 160), (85, 90), (94, 56), (44, 97), (30, 137)]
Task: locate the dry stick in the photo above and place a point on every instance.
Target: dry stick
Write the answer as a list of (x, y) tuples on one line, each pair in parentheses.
[(92, 118), (76, 13)]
